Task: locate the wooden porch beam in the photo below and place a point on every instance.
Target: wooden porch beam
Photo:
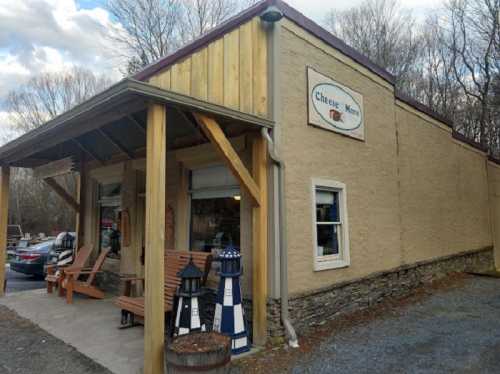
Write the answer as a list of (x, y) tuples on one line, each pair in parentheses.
[(136, 123), (4, 215), (154, 314), (63, 194), (259, 242), (116, 143), (88, 151), (222, 145)]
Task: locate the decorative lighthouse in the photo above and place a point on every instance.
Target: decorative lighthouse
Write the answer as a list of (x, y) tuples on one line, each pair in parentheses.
[(229, 316), (188, 312)]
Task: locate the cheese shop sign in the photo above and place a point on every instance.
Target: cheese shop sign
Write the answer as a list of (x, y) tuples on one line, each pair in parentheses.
[(334, 107)]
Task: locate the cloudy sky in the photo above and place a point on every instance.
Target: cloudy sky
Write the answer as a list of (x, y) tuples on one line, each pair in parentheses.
[(51, 35)]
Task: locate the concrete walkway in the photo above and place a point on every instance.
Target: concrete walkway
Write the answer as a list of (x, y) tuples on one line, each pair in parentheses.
[(88, 325), (453, 331)]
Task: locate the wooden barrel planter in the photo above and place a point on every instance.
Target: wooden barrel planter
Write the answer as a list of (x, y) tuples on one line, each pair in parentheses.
[(204, 352)]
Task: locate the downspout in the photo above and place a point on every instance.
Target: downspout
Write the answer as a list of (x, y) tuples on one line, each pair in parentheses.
[(271, 16), (285, 319)]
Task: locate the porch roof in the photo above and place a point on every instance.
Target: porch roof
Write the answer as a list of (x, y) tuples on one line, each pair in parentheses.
[(121, 100)]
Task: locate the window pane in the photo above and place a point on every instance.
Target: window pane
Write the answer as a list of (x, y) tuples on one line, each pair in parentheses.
[(328, 241), (327, 206), (215, 223)]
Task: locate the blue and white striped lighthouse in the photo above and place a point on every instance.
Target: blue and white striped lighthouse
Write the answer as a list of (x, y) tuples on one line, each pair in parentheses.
[(229, 316)]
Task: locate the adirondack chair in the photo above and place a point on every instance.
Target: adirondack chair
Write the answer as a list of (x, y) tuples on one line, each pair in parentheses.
[(71, 282), (133, 307), (55, 278)]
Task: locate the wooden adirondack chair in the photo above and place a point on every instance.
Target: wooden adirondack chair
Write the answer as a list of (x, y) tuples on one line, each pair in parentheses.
[(72, 284), (133, 307), (55, 278)]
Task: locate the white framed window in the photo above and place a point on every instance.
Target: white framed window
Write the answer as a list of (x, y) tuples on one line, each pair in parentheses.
[(330, 225)]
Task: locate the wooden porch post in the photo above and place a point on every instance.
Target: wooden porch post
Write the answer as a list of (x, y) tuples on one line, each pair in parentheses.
[(259, 239), (4, 215), (154, 327), (256, 186), (81, 192)]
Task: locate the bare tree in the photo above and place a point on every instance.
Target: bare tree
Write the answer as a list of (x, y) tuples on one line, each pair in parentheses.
[(32, 203), (383, 31), (48, 95), (434, 83), (474, 34), (199, 16), (151, 29), (148, 29)]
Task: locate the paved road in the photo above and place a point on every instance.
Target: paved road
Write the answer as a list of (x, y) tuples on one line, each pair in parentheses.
[(21, 282), (456, 331)]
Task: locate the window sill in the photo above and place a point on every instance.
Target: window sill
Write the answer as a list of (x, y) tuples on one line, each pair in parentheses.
[(329, 265)]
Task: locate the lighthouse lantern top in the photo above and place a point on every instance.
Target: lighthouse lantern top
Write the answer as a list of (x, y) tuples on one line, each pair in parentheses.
[(230, 259)]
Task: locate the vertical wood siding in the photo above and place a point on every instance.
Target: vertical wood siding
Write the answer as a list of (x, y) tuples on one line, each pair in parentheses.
[(231, 71)]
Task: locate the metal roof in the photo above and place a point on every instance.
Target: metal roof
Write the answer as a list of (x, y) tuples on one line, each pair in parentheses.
[(123, 98)]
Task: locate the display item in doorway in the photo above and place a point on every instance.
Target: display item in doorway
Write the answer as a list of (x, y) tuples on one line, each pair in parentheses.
[(229, 316), (188, 308)]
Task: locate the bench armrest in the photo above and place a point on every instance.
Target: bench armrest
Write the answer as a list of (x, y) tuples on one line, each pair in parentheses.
[(72, 272)]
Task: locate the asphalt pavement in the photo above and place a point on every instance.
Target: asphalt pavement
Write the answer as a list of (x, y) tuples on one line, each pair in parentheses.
[(22, 282)]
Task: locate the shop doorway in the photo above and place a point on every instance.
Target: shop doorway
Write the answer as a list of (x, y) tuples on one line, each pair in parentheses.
[(214, 210), (110, 218)]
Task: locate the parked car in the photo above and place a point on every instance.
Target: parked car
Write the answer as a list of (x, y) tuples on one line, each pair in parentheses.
[(19, 244), (32, 259)]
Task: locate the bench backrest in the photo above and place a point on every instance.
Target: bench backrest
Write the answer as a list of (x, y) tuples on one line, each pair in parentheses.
[(175, 261)]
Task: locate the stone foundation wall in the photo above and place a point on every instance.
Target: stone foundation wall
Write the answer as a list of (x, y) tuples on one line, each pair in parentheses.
[(308, 310)]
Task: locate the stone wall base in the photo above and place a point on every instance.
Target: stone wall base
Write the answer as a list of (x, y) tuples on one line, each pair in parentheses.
[(315, 308)]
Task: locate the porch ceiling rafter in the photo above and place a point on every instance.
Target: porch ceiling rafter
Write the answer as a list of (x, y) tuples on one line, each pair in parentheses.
[(136, 123), (120, 101), (116, 143), (88, 151)]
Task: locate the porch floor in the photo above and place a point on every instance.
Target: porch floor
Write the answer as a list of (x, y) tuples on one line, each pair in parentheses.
[(90, 326)]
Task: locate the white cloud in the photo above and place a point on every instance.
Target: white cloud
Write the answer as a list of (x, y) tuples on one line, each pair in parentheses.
[(52, 35)]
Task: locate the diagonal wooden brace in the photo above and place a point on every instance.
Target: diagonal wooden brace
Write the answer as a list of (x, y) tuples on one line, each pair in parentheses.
[(58, 189), (222, 145)]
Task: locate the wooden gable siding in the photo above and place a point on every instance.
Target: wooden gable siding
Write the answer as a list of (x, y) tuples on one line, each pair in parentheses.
[(230, 71)]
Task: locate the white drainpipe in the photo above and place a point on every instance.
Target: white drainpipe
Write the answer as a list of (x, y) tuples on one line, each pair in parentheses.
[(271, 16)]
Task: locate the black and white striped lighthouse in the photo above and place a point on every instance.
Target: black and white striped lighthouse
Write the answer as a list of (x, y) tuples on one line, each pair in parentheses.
[(188, 311), (229, 316)]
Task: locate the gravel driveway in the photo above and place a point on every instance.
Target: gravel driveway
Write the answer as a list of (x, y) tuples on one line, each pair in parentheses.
[(455, 331), (27, 349)]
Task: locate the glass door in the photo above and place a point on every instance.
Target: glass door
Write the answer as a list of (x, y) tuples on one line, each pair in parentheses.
[(215, 210), (110, 218)]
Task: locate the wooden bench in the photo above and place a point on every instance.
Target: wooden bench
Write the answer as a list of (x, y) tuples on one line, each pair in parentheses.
[(133, 307)]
